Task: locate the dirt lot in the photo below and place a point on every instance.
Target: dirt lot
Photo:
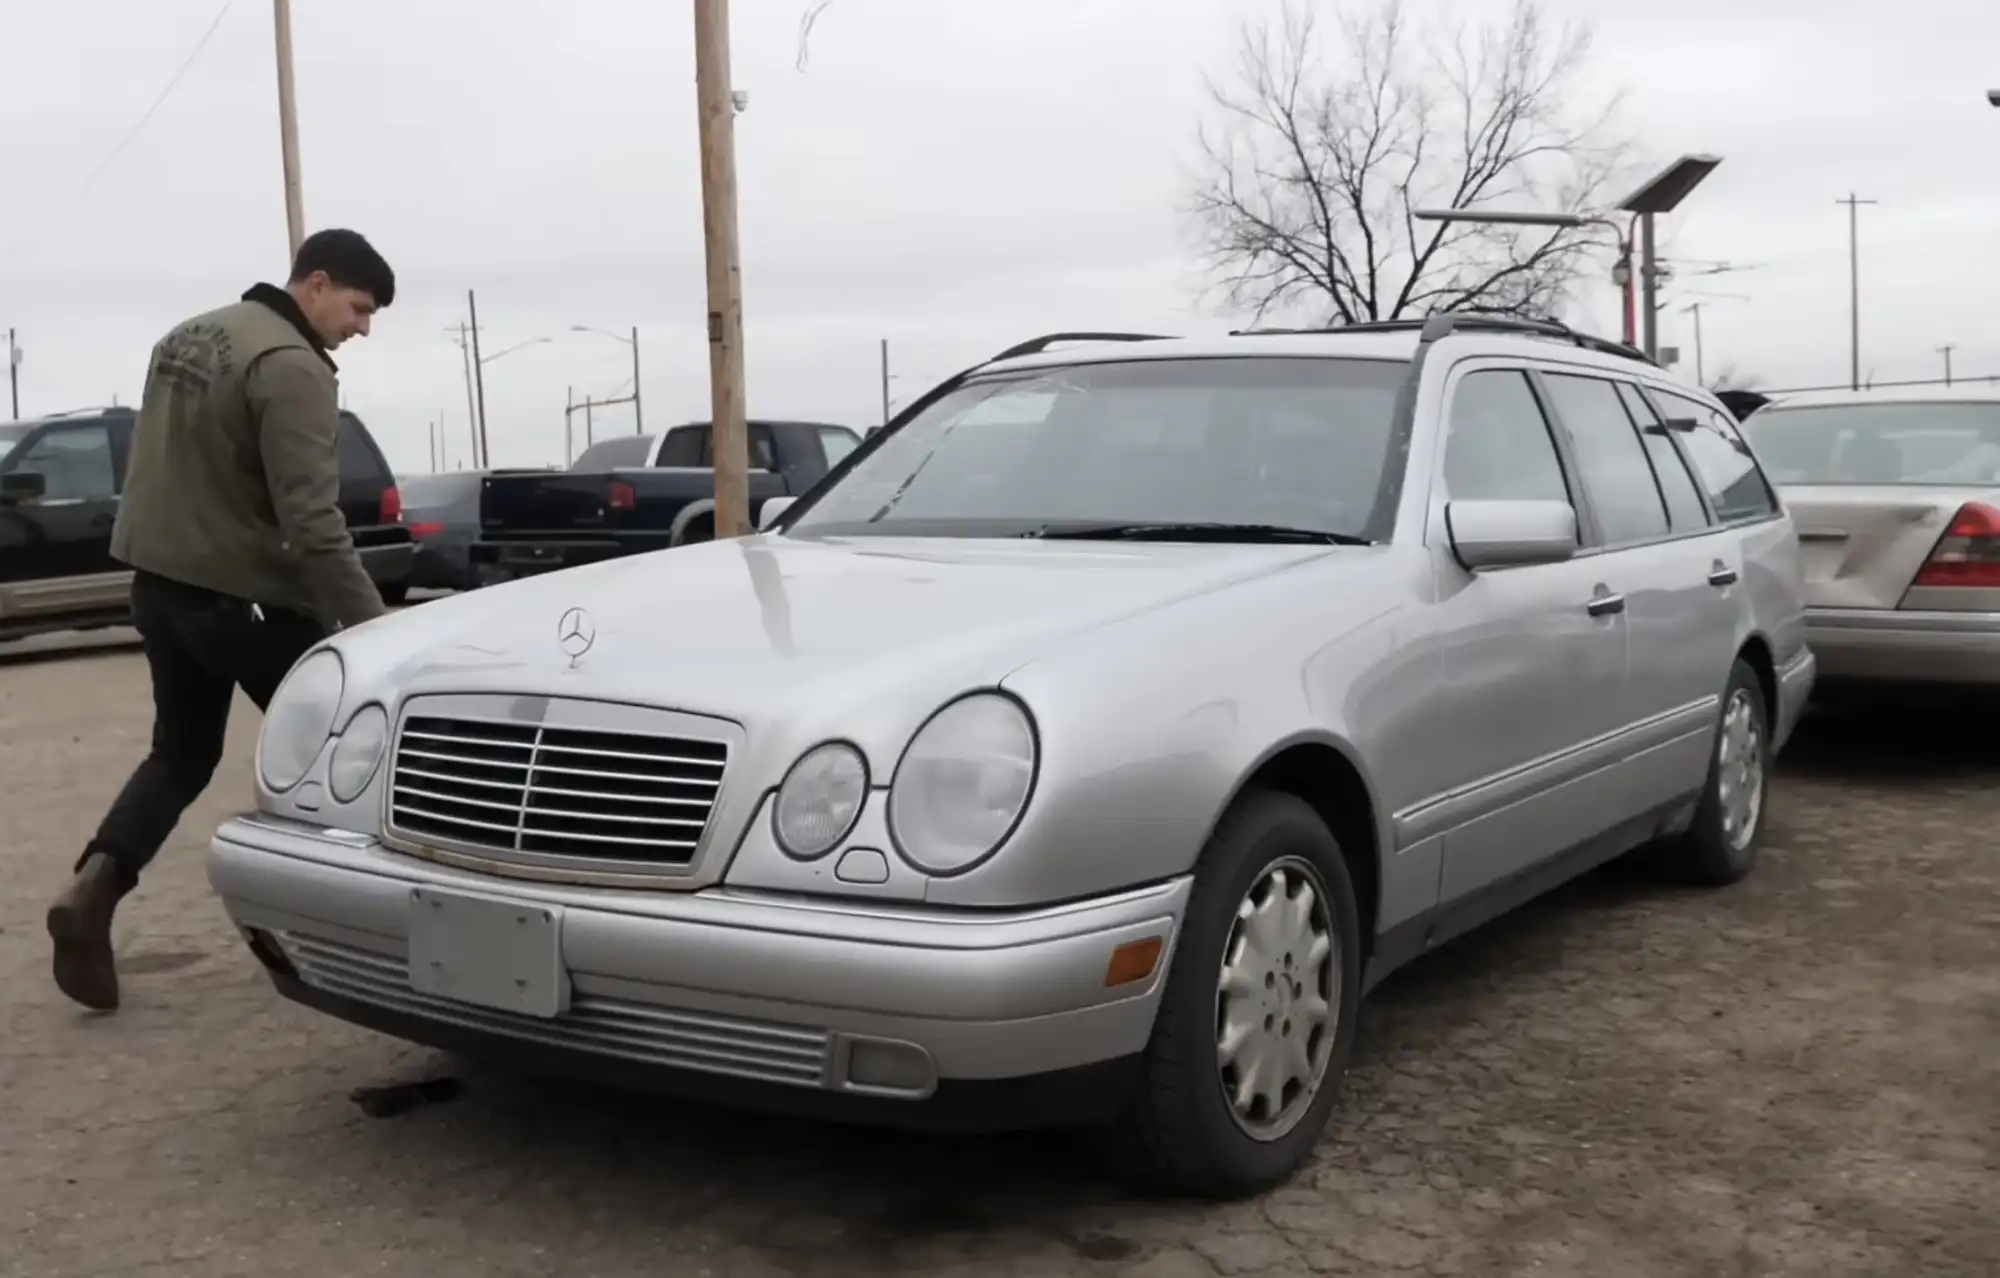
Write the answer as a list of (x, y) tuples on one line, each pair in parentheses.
[(1798, 1076)]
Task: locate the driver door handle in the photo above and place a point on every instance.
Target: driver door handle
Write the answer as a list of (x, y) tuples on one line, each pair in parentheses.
[(1605, 605)]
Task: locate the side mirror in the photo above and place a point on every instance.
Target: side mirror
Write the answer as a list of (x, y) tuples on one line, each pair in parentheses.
[(773, 507), (23, 485), (1510, 534)]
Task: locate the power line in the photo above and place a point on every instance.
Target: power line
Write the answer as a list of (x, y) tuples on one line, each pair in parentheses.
[(180, 74)]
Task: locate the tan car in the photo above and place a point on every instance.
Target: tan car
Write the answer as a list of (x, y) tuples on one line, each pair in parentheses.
[(1896, 496)]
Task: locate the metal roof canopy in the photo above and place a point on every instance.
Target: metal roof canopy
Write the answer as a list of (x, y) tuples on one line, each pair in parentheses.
[(1671, 185)]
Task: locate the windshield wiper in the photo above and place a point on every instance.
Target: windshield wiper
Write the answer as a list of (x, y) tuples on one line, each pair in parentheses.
[(1193, 531)]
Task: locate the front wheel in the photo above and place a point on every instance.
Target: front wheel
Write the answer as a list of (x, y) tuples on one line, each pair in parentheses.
[(1258, 1016)]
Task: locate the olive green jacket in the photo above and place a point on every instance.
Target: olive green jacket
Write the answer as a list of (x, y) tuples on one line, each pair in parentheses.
[(234, 479)]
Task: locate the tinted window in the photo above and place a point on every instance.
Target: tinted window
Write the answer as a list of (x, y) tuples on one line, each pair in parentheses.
[(1728, 470), (1611, 460), (619, 453), (1499, 448), (1879, 443), (357, 456), (837, 443), (1297, 442), (1684, 508), (74, 462)]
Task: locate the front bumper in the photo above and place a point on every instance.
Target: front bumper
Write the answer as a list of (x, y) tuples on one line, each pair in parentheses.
[(1900, 646), (915, 1016)]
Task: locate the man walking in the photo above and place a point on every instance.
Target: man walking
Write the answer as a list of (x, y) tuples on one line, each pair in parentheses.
[(241, 559)]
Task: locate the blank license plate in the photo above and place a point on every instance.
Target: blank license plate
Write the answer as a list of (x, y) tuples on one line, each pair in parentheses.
[(492, 953)]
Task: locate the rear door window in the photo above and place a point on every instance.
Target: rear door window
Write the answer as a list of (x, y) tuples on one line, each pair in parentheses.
[(1611, 461), (1684, 506)]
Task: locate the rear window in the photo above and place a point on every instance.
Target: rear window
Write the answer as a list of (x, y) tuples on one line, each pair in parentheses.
[(614, 454), (431, 491), (1879, 443)]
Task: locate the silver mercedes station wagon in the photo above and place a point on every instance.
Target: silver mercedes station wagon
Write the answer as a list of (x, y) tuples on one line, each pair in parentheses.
[(1080, 751)]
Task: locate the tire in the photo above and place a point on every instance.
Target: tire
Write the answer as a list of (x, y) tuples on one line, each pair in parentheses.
[(1180, 1132), (702, 529), (1721, 846), (395, 594)]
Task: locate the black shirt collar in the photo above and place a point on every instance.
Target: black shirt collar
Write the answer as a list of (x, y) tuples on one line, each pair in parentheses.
[(288, 306)]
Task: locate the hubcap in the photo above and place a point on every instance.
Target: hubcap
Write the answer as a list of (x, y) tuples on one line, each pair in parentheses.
[(1740, 770), (1277, 1003)]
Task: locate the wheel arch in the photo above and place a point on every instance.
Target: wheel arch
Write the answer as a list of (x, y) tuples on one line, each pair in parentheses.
[(1326, 773)]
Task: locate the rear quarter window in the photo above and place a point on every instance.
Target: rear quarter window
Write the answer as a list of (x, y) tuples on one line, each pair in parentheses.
[(358, 457)]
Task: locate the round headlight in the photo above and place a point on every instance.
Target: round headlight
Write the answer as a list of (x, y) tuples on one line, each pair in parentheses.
[(357, 752), (962, 783), (820, 800), (300, 719)]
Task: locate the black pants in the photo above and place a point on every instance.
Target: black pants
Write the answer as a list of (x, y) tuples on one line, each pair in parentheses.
[(200, 647)]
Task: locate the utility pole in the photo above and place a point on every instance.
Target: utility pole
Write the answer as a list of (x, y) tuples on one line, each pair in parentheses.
[(1946, 350), (434, 447), (885, 381), (1649, 285), (288, 125), (1855, 289), (1700, 373), (478, 376), (569, 431), (729, 433), (14, 375), (638, 410)]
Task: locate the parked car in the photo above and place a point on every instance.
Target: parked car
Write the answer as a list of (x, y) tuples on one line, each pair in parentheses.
[(442, 513), (1897, 500), (60, 477), (1081, 750), (635, 493)]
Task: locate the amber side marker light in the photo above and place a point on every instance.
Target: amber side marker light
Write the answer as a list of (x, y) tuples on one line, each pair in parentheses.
[(1133, 961)]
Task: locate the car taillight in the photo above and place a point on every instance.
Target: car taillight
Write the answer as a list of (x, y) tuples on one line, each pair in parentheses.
[(392, 505), (622, 495), (1968, 555), (426, 528)]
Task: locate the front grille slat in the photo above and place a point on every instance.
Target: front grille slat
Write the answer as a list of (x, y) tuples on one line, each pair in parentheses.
[(555, 792)]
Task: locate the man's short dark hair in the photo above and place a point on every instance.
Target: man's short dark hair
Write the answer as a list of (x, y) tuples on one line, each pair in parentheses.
[(349, 261)]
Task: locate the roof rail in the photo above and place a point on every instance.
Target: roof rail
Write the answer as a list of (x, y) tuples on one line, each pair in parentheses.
[(1445, 323), (1036, 345)]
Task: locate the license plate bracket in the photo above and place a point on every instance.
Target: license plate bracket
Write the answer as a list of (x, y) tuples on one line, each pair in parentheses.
[(488, 952)]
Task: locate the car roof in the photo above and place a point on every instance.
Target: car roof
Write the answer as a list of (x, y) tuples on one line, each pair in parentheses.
[(1910, 395), (1335, 344)]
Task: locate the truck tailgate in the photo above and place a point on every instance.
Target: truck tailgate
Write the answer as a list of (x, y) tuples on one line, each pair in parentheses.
[(546, 502)]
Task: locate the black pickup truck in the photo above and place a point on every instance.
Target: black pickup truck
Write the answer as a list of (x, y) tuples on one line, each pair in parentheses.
[(60, 481), (636, 493)]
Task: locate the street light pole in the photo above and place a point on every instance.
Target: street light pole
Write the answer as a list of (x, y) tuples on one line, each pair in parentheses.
[(288, 125), (729, 435), (1854, 203)]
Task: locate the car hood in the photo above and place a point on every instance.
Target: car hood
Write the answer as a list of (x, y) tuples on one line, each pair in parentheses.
[(744, 628)]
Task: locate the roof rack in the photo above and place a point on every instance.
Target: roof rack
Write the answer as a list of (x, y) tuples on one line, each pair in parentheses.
[(1036, 345), (1445, 323)]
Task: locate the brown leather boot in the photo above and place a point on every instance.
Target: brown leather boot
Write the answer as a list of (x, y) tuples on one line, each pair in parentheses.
[(80, 925)]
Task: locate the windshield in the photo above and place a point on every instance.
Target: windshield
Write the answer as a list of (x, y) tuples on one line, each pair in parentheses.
[(1911, 443), (1293, 442)]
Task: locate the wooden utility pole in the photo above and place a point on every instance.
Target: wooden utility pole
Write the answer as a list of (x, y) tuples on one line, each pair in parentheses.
[(717, 105), (288, 126), (1946, 350), (1854, 203), (478, 376)]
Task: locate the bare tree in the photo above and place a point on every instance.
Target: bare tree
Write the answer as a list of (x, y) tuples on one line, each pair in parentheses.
[(1326, 147)]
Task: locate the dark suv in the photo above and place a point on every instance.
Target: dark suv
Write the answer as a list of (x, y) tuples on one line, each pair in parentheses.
[(60, 478)]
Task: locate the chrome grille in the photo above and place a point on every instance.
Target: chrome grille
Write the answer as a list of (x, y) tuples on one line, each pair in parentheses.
[(554, 791), (706, 1041)]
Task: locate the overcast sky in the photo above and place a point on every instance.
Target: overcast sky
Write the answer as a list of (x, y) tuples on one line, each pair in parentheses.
[(951, 175)]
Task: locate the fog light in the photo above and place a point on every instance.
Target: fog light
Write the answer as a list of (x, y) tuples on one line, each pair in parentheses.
[(1133, 961), (886, 1066)]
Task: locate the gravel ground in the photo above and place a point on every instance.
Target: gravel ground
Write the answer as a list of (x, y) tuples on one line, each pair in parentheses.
[(1797, 1076)]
